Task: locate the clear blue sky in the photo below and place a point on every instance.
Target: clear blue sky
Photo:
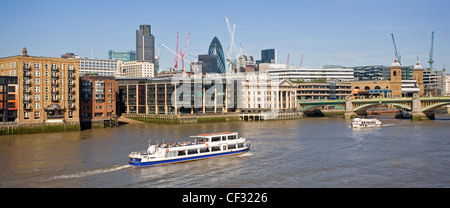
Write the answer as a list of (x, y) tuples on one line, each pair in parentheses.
[(343, 32)]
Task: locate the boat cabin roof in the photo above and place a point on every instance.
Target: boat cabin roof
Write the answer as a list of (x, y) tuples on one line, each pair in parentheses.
[(214, 134)]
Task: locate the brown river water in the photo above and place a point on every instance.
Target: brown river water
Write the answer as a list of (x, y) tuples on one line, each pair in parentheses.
[(310, 152)]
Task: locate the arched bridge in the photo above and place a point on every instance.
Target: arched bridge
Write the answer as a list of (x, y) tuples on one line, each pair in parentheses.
[(422, 107)]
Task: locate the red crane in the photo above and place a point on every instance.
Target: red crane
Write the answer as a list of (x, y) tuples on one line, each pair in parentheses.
[(184, 52), (176, 55)]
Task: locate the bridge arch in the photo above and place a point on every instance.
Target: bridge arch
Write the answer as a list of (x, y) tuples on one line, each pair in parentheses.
[(309, 106), (371, 104), (435, 106)]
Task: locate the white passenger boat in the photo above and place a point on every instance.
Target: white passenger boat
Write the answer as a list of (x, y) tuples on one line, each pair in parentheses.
[(204, 146), (365, 122)]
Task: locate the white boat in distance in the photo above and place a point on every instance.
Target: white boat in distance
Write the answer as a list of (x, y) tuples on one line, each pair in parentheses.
[(365, 122), (205, 146)]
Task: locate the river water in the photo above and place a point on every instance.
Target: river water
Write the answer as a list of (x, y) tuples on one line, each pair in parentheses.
[(310, 152)]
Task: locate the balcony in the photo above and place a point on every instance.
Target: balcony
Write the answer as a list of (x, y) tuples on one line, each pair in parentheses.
[(71, 105), (54, 84), (26, 74), (27, 107)]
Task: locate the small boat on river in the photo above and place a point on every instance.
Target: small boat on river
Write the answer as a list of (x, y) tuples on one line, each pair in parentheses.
[(204, 146), (361, 122)]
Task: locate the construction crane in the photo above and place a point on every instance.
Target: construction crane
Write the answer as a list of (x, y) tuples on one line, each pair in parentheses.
[(301, 61), (232, 46), (399, 57), (184, 52), (173, 52), (431, 61), (176, 54)]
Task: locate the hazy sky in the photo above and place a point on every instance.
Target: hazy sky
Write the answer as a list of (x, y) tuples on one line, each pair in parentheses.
[(344, 32)]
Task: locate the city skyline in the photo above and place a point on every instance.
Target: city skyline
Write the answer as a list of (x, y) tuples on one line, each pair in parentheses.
[(348, 33)]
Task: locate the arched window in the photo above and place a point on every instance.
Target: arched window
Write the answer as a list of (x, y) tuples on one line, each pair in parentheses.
[(357, 87), (366, 88), (395, 73), (377, 87)]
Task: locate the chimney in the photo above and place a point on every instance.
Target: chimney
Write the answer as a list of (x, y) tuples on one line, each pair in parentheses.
[(24, 52)]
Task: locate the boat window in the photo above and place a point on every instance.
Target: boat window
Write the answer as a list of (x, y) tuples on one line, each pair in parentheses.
[(231, 137), (215, 139), (213, 149), (240, 145), (203, 150), (193, 151), (171, 154), (232, 146), (180, 153)]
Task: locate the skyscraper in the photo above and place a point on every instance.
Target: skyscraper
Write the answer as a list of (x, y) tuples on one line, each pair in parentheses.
[(269, 56), (215, 48), (145, 44)]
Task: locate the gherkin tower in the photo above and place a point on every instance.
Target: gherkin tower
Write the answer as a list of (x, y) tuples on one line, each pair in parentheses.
[(215, 48)]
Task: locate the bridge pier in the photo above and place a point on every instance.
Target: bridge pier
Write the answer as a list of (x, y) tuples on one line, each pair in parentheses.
[(416, 113), (349, 114)]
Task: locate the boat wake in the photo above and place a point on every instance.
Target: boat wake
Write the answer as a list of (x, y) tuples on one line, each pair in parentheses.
[(90, 173), (245, 154)]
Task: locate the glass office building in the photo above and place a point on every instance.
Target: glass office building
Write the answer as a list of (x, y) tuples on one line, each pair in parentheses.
[(145, 44), (269, 56), (209, 63), (122, 55), (215, 48)]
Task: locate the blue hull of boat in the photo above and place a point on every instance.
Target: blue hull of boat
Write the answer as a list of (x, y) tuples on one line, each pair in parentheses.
[(137, 163)]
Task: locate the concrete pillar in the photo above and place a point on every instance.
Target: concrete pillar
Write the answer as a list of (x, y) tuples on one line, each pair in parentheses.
[(156, 99), (128, 103), (349, 114), (146, 97), (166, 108), (215, 98), (272, 99), (175, 100), (203, 97), (417, 114)]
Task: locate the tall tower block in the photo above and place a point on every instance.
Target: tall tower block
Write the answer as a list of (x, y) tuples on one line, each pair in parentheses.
[(418, 76), (396, 79)]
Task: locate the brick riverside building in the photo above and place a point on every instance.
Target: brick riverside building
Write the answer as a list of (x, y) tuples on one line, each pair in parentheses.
[(98, 99), (47, 88)]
